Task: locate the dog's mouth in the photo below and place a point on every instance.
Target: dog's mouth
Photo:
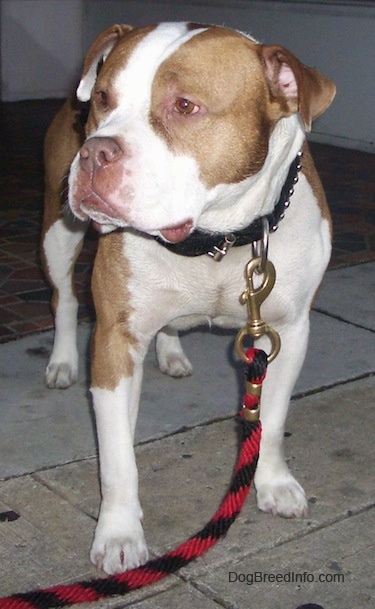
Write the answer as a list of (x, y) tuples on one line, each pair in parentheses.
[(105, 218), (177, 233)]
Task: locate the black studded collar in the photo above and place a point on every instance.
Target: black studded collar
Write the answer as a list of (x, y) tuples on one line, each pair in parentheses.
[(216, 245)]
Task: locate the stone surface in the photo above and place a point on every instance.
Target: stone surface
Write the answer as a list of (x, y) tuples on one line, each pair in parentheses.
[(183, 477), (332, 567), (36, 421), (349, 293)]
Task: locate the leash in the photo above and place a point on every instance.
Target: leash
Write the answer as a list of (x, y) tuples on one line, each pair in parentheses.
[(256, 362)]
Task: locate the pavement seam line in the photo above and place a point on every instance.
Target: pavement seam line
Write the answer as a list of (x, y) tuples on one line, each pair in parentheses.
[(202, 570), (337, 317), (212, 595)]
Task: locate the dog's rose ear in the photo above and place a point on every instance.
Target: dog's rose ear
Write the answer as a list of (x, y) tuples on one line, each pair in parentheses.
[(295, 87), (98, 53)]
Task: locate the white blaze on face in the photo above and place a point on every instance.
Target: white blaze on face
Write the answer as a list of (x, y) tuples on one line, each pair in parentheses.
[(137, 79)]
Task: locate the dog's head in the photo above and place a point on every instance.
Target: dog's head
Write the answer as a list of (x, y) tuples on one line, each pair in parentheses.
[(184, 119)]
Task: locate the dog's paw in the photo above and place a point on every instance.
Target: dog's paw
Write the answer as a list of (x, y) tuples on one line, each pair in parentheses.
[(61, 375), (282, 498), (176, 365), (118, 547), (170, 355)]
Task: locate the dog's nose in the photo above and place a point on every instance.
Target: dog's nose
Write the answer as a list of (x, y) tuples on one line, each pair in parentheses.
[(98, 152)]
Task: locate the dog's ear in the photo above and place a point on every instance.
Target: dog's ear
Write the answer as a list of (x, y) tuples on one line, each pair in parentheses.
[(295, 87), (98, 53)]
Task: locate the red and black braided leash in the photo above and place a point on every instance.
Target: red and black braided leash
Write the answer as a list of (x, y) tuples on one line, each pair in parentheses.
[(217, 527)]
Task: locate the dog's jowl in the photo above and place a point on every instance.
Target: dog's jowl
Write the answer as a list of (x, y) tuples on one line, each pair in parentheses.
[(191, 135)]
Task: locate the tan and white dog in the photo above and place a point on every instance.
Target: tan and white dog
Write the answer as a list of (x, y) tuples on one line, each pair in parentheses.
[(192, 129)]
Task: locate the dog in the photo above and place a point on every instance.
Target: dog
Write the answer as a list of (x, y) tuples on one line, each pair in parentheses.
[(191, 138)]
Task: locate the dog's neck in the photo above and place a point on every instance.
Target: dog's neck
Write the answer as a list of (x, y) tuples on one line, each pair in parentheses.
[(264, 196), (200, 242)]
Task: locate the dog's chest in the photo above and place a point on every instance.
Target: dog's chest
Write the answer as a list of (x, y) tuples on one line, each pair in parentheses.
[(188, 291)]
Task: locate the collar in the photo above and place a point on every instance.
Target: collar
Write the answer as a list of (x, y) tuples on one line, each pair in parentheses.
[(217, 245)]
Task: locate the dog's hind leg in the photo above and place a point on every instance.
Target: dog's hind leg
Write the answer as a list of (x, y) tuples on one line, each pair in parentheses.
[(170, 355), (61, 245)]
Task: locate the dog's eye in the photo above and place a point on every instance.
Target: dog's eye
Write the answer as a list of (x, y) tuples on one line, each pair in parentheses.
[(185, 106), (101, 98)]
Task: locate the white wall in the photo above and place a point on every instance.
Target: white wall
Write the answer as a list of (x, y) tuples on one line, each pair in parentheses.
[(41, 47), (42, 42)]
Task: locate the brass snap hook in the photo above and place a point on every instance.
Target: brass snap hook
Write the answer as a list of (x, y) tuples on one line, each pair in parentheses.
[(253, 297)]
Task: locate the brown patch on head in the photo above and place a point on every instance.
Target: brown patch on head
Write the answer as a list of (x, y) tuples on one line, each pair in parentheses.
[(218, 71), (113, 340), (100, 48), (121, 45)]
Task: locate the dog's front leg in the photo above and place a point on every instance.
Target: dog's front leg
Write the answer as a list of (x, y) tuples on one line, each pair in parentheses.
[(119, 542), (278, 492)]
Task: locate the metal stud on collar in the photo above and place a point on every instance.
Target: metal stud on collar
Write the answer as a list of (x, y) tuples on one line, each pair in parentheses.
[(288, 190)]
